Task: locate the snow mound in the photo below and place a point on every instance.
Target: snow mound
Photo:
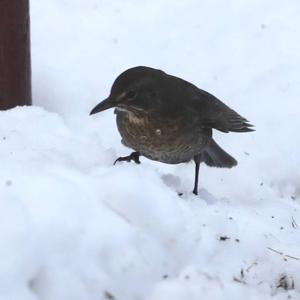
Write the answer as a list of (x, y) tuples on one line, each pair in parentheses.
[(75, 227)]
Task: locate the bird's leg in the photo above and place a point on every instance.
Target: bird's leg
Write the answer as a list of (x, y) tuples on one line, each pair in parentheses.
[(135, 156), (197, 159)]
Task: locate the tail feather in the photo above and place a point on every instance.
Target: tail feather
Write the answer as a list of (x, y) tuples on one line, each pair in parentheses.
[(215, 156)]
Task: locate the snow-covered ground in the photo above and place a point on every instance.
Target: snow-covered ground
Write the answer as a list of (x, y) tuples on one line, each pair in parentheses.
[(74, 227)]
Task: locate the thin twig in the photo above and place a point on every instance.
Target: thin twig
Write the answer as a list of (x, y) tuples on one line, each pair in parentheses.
[(281, 253), (294, 223), (239, 280), (251, 266)]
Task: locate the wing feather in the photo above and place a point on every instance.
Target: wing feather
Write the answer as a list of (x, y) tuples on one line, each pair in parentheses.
[(215, 114)]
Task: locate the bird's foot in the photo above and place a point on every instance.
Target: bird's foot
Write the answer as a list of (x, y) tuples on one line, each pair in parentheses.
[(195, 191), (135, 156)]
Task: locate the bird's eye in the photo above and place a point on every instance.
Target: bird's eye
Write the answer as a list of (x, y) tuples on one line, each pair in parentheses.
[(130, 94)]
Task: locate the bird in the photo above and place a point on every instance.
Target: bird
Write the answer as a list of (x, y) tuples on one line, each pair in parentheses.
[(170, 120)]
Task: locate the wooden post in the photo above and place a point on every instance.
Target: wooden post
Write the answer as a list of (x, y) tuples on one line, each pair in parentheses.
[(15, 67)]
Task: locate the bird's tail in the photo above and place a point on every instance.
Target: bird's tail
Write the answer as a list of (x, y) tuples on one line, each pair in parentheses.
[(215, 156)]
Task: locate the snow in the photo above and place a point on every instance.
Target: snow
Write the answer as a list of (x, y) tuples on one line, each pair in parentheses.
[(73, 226)]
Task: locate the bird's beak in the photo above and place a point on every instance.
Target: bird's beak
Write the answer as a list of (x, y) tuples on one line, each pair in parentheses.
[(105, 104)]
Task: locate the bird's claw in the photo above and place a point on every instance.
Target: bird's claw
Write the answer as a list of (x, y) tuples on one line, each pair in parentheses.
[(135, 156)]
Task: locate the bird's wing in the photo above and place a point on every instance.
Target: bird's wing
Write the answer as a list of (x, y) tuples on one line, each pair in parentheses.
[(215, 114)]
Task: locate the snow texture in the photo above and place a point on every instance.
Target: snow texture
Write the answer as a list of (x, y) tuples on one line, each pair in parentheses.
[(74, 227)]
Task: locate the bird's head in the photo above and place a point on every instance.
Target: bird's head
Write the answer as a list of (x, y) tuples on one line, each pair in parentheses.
[(133, 90)]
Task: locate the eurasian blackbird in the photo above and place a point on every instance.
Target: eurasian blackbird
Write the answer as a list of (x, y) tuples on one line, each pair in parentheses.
[(168, 119)]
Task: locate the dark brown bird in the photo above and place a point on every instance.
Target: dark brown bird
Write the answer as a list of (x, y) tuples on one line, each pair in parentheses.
[(168, 119)]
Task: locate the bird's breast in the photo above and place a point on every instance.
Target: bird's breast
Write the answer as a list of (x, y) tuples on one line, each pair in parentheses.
[(135, 120), (161, 139)]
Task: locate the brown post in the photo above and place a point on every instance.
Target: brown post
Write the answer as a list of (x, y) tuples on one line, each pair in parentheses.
[(15, 67)]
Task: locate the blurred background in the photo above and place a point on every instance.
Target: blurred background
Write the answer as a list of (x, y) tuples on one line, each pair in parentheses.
[(235, 49)]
